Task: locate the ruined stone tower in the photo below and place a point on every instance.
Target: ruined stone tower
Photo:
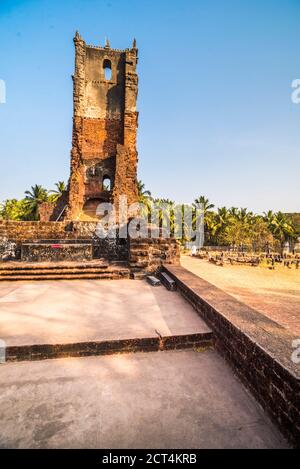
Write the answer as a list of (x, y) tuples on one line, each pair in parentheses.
[(104, 155)]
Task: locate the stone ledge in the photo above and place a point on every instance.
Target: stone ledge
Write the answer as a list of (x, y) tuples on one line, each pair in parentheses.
[(256, 347), (107, 347)]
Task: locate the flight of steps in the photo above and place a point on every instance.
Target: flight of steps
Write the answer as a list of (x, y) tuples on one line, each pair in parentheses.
[(96, 269)]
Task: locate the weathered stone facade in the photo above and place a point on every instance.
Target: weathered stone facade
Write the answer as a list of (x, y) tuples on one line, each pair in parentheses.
[(142, 254), (22, 231), (103, 169), (49, 211), (104, 155), (27, 234), (149, 254), (62, 251)]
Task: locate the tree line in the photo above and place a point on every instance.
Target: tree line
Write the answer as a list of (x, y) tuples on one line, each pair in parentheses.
[(235, 227), (27, 209), (222, 226)]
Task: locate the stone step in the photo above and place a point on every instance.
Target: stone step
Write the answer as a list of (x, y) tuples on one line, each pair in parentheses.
[(111, 275), (138, 275), (65, 270), (34, 272), (82, 349), (53, 269), (25, 266), (46, 271)]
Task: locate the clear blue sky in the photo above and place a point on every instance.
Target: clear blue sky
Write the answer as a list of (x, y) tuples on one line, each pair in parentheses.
[(216, 115)]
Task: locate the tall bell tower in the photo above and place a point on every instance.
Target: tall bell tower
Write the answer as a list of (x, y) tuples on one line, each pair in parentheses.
[(105, 120)]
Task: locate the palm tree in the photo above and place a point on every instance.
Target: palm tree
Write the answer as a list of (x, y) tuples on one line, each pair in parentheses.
[(233, 211), (58, 192), (60, 188), (206, 210), (145, 200), (212, 226), (223, 221), (165, 213), (142, 192), (282, 227), (223, 216), (34, 198), (260, 234), (243, 215), (269, 217), (9, 210), (205, 204)]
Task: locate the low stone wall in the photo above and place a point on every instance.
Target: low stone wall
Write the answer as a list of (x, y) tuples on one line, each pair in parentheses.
[(22, 231), (148, 254), (143, 254), (256, 347)]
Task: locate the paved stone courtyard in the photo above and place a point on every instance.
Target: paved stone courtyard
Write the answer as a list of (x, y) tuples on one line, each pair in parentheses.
[(276, 294), (66, 311), (175, 399), (168, 399)]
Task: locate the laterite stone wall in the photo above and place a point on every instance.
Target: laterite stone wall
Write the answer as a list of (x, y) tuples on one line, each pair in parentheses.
[(148, 254)]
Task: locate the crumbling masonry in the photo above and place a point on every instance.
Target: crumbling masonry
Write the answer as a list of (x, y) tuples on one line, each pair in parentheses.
[(104, 155), (103, 168)]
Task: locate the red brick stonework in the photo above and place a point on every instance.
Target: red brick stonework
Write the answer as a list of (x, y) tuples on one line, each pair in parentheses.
[(104, 129)]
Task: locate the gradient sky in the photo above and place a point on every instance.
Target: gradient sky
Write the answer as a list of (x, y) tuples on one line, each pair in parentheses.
[(216, 115)]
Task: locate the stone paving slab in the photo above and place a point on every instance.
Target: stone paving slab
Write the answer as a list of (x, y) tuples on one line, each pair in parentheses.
[(176, 399), (65, 312)]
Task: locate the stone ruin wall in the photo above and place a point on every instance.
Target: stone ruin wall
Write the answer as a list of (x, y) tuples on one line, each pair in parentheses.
[(142, 254), (53, 212), (149, 254), (104, 126), (20, 231)]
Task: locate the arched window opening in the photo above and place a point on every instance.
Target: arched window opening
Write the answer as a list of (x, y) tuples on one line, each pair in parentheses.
[(106, 183), (107, 69)]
